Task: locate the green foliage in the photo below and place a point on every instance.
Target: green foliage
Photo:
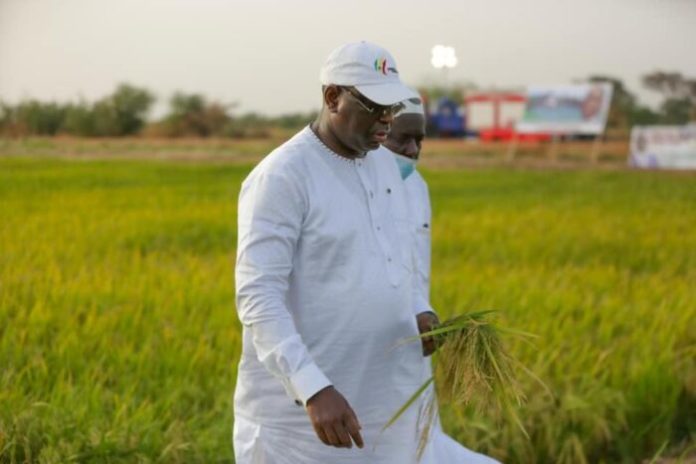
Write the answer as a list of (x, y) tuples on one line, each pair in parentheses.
[(294, 121), (679, 106), (118, 338), (671, 84), (249, 125), (124, 112), (193, 115), (676, 111), (119, 342), (257, 125), (129, 106), (595, 265), (679, 92), (121, 113), (79, 120), (471, 368), (623, 102), (644, 116), (31, 117)]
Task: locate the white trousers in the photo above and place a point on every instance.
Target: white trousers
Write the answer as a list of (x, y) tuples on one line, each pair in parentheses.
[(255, 444)]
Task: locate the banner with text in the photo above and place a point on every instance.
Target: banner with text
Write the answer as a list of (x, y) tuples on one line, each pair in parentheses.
[(667, 147)]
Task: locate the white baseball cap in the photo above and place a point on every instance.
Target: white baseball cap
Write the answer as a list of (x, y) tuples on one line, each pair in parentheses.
[(412, 106), (370, 69)]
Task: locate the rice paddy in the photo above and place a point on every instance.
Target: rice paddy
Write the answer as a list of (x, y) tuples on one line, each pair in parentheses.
[(119, 339)]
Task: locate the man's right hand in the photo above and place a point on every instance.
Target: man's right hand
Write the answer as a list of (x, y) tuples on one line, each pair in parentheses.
[(333, 419)]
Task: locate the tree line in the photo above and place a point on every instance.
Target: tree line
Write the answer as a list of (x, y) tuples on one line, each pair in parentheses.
[(678, 104), (125, 111)]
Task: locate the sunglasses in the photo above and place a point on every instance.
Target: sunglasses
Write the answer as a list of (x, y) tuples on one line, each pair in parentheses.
[(371, 107)]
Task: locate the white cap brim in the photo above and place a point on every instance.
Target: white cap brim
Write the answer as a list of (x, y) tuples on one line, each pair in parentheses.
[(412, 108), (388, 93)]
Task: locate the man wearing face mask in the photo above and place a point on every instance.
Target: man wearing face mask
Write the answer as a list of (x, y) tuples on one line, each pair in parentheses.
[(323, 276), (404, 144)]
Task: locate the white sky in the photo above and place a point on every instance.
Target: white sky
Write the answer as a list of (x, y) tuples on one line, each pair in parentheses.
[(266, 54)]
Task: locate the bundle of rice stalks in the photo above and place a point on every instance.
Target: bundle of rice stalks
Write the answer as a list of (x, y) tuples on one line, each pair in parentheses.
[(471, 368)]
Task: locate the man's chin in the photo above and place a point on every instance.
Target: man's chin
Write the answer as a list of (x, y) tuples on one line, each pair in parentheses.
[(364, 145)]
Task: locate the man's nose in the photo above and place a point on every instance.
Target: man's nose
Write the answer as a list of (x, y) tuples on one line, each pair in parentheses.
[(386, 117)]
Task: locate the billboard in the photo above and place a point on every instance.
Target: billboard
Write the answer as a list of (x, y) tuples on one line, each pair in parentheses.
[(667, 147), (566, 109)]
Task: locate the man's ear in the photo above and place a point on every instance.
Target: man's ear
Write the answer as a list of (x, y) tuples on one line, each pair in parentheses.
[(331, 96)]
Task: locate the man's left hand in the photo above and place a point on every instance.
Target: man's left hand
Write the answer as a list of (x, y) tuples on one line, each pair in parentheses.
[(427, 321)]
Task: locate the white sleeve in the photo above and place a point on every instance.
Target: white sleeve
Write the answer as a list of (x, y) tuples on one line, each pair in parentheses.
[(270, 216), (422, 212)]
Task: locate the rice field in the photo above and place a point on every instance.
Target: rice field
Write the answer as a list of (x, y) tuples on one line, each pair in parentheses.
[(119, 339)]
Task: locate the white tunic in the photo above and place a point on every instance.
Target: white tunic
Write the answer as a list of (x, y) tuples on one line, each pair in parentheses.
[(421, 215), (324, 293), (441, 449)]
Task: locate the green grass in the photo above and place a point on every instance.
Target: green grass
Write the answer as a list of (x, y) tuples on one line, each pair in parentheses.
[(119, 340)]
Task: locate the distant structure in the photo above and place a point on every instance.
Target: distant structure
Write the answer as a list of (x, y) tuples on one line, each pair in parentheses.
[(492, 115), (445, 119), (488, 115)]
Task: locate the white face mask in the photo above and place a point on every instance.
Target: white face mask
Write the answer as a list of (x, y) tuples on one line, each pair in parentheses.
[(406, 165)]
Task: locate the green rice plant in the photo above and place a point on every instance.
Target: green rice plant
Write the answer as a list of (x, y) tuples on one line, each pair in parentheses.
[(119, 341), (471, 367)]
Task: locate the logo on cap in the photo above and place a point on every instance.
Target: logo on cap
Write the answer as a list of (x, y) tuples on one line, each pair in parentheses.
[(381, 66)]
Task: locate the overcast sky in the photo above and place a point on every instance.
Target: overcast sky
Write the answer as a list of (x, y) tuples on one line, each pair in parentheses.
[(266, 54)]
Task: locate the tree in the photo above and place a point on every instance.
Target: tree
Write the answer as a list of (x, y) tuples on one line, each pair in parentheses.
[(623, 102), (130, 106), (625, 110), (79, 119), (7, 117), (105, 120), (670, 84), (679, 92), (31, 117), (121, 113), (192, 114), (676, 111), (644, 116)]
